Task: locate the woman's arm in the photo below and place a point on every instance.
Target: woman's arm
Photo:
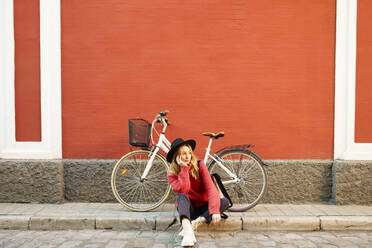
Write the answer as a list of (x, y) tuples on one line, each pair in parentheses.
[(180, 183), (214, 201)]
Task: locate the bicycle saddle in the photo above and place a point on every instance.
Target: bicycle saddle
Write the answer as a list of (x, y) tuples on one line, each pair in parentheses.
[(214, 135)]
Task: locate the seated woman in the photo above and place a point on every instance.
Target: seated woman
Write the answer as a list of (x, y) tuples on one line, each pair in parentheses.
[(198, 200)]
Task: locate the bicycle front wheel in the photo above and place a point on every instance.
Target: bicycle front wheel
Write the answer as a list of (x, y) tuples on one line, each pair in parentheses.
[(135, 193), (251, 177)]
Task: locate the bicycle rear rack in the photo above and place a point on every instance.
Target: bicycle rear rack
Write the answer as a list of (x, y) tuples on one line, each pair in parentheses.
[(244, 146)]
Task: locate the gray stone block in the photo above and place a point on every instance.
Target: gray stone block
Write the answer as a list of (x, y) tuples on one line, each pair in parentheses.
[(298, 181), (352, 182), (89, 180), (28, 181)]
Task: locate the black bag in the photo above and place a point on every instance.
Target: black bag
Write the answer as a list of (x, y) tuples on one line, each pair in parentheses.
[(221, 188)]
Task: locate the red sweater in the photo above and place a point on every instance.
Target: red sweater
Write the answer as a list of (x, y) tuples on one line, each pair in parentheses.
[(200, 191)]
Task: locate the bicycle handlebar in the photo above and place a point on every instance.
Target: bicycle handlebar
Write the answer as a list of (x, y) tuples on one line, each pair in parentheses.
[(159, 118), (163, 113)]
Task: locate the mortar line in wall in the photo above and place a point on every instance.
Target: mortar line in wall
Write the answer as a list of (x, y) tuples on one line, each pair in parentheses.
[(333, 182)]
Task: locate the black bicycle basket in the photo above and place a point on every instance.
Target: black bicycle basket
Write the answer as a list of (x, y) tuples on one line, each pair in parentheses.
[(139, 132)]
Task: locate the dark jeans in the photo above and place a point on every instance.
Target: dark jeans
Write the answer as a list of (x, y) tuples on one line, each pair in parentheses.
[(186, 209)]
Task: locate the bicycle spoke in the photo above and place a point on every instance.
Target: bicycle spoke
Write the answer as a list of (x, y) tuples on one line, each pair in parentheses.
[(252, 178), (230, 164), (144, 194), (133, 170), (240, 163), (150, 195), (159, 180), (128, 188), (125, 187), (132, 193), (156, 174), (246, 172), (156, 193)]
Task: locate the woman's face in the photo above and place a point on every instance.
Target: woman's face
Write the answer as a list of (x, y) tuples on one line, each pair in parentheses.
[(185, 154)]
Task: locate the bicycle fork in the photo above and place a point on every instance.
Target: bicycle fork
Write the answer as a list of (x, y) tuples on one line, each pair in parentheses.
[(164, 144)]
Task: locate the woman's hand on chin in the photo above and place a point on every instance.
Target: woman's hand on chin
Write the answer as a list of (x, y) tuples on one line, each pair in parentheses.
[(180, 162)]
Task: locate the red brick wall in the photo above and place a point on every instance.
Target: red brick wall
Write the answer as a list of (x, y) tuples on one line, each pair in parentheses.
[(27, 70), (363, 113), (262, 71)]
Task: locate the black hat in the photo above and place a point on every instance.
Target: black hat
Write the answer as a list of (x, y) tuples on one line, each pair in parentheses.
[(176, 144)]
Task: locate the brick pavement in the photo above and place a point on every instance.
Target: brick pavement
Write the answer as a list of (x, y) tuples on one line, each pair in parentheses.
[(153, 239)]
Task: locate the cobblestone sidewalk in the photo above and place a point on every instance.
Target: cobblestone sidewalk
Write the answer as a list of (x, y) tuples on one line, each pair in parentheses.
[(152, 239)]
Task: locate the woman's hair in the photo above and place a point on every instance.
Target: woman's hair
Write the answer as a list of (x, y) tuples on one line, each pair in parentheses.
[(175, 168)]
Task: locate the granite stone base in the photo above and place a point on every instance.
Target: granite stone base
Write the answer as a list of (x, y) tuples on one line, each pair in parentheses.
[(38, 181), (352, 182), (298, 181), (89, 180)]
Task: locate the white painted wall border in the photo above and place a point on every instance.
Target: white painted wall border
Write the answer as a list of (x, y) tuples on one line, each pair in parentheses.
[(50, 58), (344, 127), (6, 69)]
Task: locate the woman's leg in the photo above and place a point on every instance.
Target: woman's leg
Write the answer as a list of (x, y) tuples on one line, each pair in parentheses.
[(185, 210), (184, 207)]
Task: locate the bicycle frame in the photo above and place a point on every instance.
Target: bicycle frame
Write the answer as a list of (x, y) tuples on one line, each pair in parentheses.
[(163, 143), (208, 155)]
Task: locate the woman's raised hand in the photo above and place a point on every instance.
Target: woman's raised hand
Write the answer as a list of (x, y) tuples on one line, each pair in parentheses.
[(180, 162)]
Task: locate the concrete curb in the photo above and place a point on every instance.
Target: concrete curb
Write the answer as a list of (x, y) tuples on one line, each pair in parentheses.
[(282, 223), (344, 223), (61, 223), (171, 223), (125, 223), (15, 222)]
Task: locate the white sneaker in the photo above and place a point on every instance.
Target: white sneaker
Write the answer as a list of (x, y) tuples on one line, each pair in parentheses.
[(188, 234), (188, 240), (195, 224), (181, 234)]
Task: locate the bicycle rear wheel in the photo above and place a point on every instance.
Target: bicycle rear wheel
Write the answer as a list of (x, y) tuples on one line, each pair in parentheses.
[(134, 193), (252, 178)]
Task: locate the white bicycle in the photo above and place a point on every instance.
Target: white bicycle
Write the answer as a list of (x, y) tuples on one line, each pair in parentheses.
[(139, 179)]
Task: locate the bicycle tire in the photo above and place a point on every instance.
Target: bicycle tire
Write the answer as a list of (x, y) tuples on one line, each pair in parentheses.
[(252, 184), (133, 193)]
